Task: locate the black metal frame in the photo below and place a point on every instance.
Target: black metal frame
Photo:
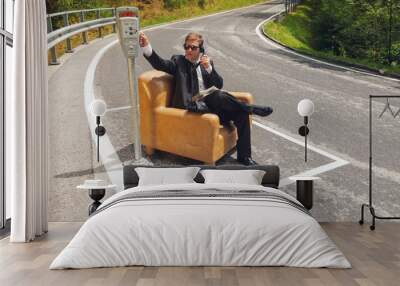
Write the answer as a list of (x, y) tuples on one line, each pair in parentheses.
[(370, 205)]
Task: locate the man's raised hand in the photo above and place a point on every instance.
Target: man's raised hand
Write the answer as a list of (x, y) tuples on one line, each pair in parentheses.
[(143, 40), (205, 61)]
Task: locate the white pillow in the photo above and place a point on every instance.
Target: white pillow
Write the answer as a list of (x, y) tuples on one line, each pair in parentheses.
[(164, 176), (248, 177)]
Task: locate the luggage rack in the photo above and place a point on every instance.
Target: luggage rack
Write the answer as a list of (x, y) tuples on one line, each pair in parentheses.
[(370, 204)]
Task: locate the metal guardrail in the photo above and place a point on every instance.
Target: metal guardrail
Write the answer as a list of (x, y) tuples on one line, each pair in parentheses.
[(290, 5), (67, 31)]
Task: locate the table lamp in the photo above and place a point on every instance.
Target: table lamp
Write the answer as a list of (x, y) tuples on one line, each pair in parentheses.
[(98, 108), (305, 109)]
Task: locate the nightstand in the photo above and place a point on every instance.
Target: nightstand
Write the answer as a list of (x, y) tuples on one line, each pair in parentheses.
[(96, 193), (304, 190)]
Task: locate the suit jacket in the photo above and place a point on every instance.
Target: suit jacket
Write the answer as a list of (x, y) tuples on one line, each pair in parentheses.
[(186, 81)]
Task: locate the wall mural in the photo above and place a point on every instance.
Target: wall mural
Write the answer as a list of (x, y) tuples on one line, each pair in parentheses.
[(257, 76)]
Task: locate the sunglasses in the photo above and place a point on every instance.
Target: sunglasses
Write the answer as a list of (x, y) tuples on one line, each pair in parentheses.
[(193, 48)]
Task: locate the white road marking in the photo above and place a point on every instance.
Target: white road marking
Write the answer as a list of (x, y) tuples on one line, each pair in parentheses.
[(297, 141), (338, 162), (118, 108), (108, 155)]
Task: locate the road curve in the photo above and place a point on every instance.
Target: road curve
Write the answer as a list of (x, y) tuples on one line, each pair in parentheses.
[(280, 79)]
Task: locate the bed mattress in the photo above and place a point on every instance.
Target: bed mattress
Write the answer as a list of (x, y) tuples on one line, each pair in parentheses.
[(201, 225)]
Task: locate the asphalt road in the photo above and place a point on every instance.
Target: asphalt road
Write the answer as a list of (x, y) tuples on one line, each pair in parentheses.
[(280, 79)]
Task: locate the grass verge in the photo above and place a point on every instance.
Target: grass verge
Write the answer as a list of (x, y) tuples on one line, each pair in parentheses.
[(294, 31)]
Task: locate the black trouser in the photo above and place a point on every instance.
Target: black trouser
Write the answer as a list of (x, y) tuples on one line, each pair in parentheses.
[(228, 108)]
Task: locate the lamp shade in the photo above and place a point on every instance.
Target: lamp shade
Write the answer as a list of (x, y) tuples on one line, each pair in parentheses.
[(305, 107), (98, 107)]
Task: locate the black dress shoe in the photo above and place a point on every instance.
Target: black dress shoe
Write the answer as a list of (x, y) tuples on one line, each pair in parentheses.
[(247, 161), (261, 110)]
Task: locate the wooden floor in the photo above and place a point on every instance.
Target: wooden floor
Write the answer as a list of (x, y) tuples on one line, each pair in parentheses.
[(374, 255)]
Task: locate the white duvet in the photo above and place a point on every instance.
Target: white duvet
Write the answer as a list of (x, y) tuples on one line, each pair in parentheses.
[(200, 231)]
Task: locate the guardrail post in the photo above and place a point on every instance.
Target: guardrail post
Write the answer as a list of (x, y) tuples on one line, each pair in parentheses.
[(286, 7), (53, 55), (114, 14), (84, 34), (69, 45), (98, 17)]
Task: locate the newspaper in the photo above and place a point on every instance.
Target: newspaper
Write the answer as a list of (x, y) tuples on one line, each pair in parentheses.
[(203, 93)]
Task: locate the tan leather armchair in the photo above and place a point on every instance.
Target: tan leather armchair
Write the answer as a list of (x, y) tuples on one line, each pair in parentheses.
[(178, 131)]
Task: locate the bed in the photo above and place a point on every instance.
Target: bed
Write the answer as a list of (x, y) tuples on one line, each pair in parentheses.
[(201, 224)]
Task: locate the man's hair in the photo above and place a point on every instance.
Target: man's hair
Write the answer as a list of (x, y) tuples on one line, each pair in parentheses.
[(196, 36)]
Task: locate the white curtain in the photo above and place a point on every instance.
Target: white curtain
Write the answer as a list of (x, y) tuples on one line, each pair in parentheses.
[(26, 123)]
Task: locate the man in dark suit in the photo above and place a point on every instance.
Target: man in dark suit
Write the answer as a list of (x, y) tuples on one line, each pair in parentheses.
[(195, 72)]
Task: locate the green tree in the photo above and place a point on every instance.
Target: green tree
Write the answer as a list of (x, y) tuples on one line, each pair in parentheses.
[(357, 28)]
